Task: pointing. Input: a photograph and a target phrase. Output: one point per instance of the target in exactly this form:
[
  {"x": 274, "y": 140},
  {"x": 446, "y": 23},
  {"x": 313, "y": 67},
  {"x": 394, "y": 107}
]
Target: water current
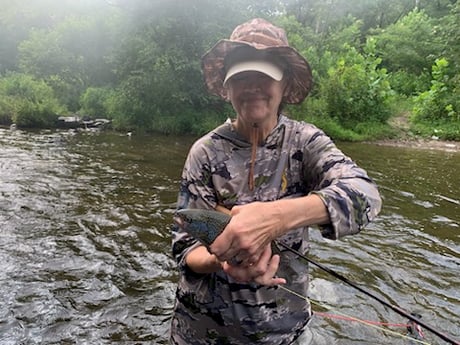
[{"x": 85, "y": 242}]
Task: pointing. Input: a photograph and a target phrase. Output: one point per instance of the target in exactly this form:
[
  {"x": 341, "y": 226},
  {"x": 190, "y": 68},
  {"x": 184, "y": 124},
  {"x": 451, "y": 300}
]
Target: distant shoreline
[
  {"x": 425, "y": 144},
  {"x": 419, "y": 143}
]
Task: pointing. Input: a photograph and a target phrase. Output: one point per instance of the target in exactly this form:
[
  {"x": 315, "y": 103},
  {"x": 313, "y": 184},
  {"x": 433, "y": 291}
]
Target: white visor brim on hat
[{"x": 262, "y": 66}]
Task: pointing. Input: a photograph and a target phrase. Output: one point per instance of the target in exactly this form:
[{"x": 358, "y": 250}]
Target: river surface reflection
[{"x": 85, "y": 242}]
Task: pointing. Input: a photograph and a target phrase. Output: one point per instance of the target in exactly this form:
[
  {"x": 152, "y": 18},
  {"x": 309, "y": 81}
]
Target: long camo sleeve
[{"x": 351, "y": 197}]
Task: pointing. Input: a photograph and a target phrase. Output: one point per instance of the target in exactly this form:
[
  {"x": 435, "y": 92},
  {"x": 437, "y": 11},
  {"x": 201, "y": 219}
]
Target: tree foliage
[
  {"x": 357, "y": 90},
  {"x": 71, "y": 56},
  {"x": 441, "y": 103},
  {"x": 411, "y": 44},
  {"x": 94, "y": 101},
  {"x": 28, "y": 102},
  {"x": 137, "y": 62}
]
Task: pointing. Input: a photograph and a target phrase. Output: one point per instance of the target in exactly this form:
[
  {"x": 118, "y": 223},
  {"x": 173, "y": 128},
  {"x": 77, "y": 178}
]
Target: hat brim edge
[{"x": 299, "y": 86}]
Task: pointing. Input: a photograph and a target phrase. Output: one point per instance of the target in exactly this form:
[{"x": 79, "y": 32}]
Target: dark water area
[{"x": 85, "y": 242}]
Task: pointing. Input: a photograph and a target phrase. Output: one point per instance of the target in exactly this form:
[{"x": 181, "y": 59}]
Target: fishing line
[
  {"x": 395, "y": 308},
  {"x": 348, "y": 317}
]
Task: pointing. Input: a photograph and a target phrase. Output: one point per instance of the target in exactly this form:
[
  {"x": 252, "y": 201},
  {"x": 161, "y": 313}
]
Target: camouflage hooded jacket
[{"x": 296, "y": 159}]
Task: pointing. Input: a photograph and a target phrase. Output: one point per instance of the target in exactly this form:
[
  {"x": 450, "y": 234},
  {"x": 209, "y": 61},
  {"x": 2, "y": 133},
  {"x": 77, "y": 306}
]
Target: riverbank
[
  {"x": 425, "y": 144},
  {"x": 405, "y": 138},
  {"x": 402, "y": 140}
]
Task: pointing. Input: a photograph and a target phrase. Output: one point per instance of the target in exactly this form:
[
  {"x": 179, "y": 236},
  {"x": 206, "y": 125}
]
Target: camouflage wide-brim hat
[{"x": 264, "y": 37}]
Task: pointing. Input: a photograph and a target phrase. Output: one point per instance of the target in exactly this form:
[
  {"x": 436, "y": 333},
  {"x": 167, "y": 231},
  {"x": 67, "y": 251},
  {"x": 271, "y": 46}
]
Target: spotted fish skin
[{"x": 204, "y": 225}]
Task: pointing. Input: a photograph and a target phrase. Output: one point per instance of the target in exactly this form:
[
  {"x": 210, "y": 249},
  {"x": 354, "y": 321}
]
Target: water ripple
[{"x": 85, "y": 242}]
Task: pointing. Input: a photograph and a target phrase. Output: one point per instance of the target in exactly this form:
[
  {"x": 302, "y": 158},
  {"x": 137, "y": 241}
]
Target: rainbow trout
[{"x": 204, "y": 225}]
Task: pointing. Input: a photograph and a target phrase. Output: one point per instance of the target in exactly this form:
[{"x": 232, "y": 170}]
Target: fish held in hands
[
  {"x": 204, "y": 225},
  {"x": 207, "y": 225}
]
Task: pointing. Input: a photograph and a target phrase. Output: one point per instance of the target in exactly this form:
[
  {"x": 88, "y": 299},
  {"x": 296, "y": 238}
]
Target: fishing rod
[
  {"x": 369, "y": 323},
  {"x": 395, "y": 308}
]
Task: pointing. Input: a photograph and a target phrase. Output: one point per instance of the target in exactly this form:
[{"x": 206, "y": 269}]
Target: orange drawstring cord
[{"x": 254, "y": 142}]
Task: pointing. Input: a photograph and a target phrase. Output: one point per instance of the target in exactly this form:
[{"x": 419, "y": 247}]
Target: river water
[{"x": 85, "y": 243}]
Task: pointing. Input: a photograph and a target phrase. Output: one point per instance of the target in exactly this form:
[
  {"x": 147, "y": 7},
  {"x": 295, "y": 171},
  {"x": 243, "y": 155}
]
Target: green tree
[
  {"x": 441, "y": 103},
  {"x": 158, "y": 64},
  {"x": 94, "y": 101},
  {"x": 408, "y": 48},
  {"x": 138, "y": 61},
  {"x": 411, "y": 44},
  {"x": 437, "y": 110},
  {"x": 357, "y": 89},
  {"x": 447, "y": 28},
  {"x": 70, "y": 57},
  {"x": 28, "y": 102},
  {"x": 18, "y": 18}
]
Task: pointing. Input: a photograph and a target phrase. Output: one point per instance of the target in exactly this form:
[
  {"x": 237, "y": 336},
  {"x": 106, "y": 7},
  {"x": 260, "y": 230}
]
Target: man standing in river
[{"x": 276, "y": 177}]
